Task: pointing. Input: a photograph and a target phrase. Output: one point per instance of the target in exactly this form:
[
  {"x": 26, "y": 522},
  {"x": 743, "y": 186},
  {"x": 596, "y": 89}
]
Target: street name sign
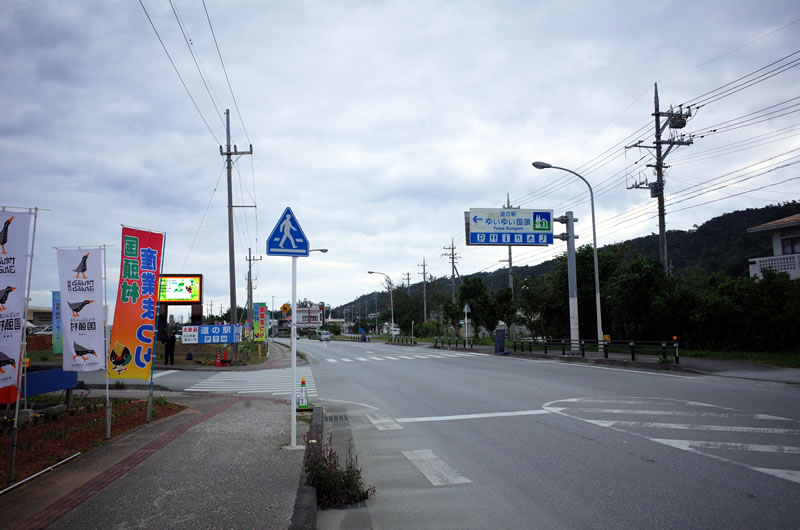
[
  {"x": 287, "y": 238},
  {"x": 509, "y": 226}
]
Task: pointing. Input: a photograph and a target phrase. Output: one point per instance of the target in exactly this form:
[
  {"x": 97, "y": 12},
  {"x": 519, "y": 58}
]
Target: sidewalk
[
  {"x": 220, "y": 463},
  {"x": 695, "y": 365}
]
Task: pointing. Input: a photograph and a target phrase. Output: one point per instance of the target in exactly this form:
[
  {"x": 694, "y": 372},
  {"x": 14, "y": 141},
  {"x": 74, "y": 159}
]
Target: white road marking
[
  {"x": 434, "y": 356},
  {"x": 637, "y": 412},
  {"x": 405, "y": 357},
  {"x": 436, "y": 470},
  {"x": 383, "y": 422},
  {"x": 377, "y": 358},
  {"x": 345, "y": 359},
  {"x": 595, "y": 367},
  {"x": 421, "y": 356},
  {"x": 786, "y": 474},
  {"x": 760, "y": 448},
  {"x": 361, "y": 359},
  {"x": 332, "y": 360},
  {"x": 474, "y": 416},
  {"x": 449, "y": 354},
  {"x": 692, "y": 427},
  {"x": 159, "y": 374},
  {"x": 391, "y": 358}
]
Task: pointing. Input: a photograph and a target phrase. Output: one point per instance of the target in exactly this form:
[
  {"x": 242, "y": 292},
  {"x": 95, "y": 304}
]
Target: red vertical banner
[{"x": 132, "y": 344}]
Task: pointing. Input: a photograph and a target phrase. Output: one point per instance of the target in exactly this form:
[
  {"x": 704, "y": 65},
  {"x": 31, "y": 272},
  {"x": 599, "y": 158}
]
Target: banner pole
[
  {"x": 155, "y": 331},
  {"x": 23, "y": 350},
  {"x": 105, "y": 336}
]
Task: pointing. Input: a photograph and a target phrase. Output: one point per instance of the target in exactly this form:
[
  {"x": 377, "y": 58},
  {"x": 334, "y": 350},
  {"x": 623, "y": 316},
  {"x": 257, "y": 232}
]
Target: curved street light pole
[
  {"x": 391, "y": 301},
  {"x": 545, "y": 165}
]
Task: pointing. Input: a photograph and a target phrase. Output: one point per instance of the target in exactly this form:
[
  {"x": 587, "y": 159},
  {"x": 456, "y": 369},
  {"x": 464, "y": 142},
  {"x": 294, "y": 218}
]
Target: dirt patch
[{"x": 53, "y": 438}]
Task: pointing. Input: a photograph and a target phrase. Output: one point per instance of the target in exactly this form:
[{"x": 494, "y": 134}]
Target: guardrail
[
  {"x": 405, "y": 339},
  {"x": 664, "y": 349},
  {"x": 439, "y": 342}
]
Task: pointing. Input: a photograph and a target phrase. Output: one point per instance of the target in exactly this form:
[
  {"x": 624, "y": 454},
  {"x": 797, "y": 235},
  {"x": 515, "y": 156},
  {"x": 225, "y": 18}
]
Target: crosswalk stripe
[
  {"x": 332, "y": 360},
  {"x": 347, "y": 360},
  {"x": 421, "y": 356},
  {"x": 406, "y": 357},
  {"x": 391, "y": 358},
  {"x": 377, "y": 358},
  {"x": 437, "y": 471},
  {"x": 361, "y": 359}
]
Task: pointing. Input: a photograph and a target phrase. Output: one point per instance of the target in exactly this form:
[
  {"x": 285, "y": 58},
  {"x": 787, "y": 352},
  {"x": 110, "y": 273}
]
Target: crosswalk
[
  {"x": 761, "y": 442},
  {"x": 275, "y": 382},
  {"x": 395, "y": 357}
]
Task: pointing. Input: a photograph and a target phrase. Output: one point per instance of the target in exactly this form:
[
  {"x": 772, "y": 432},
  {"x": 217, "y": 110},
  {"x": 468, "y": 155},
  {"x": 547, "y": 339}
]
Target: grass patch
[{"x": 783, "y": 360}]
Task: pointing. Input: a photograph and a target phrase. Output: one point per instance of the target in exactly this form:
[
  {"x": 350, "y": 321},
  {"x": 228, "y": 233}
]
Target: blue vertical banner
[{"x": 58, "y": 338}]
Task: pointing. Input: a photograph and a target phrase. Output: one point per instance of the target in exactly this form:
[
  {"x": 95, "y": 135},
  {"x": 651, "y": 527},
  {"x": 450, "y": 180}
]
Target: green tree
[{"x": 484, "y": 312}]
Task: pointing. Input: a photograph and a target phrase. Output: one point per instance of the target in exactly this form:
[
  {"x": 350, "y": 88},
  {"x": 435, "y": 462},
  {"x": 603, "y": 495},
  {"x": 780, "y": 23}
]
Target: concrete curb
[
  {"x": 305, "y": 506},
  {"x": 669, "y": 367}
]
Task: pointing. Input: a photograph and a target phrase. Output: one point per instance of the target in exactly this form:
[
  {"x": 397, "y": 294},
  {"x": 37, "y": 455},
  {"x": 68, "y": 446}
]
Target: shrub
[{"x": 336, "y": 486}]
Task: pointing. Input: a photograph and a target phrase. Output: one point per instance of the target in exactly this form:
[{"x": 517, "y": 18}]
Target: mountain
[{"x": 720, "y": 244}]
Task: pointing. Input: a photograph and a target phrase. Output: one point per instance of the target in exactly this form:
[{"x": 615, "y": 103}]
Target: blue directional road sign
[
  {"x": 287, "y": 238},
  {"x": 509, "y": 226}
]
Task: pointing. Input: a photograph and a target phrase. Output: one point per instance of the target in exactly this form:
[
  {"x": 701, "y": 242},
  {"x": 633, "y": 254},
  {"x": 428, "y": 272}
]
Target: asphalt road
[
  {"x": 452, "y": 440},
  {"x": 457, "y": 440}
]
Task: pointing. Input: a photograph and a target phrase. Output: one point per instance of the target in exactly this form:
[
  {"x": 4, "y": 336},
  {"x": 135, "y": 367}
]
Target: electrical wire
[
  {"x": 164, "y": 47},
  {"x": 191, "y": 52}
]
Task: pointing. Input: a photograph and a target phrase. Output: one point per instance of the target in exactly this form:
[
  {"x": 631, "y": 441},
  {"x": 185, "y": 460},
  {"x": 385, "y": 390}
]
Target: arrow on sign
[{"x": 476, "y": 219}]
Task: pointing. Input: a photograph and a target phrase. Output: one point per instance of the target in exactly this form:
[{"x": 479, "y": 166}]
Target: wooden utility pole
[
  {"x": 228, "y": 154},
  {"x": 424, "y": 291},
  {"x": 250, "y": 260},
  {"x": 453, "y": 257},
  {"x": 674, "y": 120}
]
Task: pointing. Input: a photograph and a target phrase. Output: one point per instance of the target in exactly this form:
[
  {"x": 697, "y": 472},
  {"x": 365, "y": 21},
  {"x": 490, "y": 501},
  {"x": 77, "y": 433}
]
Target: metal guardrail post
[
  {"x": 545, "y": 347},
  {"x": 605, "y": 349},
  {"x": 633, "y": 351},
  {"x": 677, "y": 357},
  {"x": 583, "y": 348},
  {"x": 563, "y": 348},
  {"x": 514, "y": 345},
  {"x": 664, "y": 351}
]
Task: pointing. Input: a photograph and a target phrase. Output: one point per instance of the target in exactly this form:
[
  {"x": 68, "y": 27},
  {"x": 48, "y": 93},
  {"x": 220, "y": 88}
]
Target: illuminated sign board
[{"x": 181, "y": 289}]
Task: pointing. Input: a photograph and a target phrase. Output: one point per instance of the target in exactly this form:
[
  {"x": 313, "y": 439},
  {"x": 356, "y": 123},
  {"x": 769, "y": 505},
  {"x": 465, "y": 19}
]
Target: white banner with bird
[
  {"x": 80, "y": 278},
  {"x": 13, "y": 281}
]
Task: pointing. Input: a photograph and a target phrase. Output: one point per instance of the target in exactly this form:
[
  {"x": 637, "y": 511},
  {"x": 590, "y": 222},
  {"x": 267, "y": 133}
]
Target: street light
[
  {"x": 323, "y": 250},
  {"x": 391, "y": 301},
  {"x": 545, "y": 165}
]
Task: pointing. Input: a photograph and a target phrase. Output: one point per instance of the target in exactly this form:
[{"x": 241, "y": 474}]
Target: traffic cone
[{"x": 302, "y": 403}]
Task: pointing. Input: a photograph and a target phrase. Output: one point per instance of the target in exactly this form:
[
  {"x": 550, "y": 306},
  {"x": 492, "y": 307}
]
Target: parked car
[
  {"x": 325, "y": 335},
  {"x": 47, "y": 330}
]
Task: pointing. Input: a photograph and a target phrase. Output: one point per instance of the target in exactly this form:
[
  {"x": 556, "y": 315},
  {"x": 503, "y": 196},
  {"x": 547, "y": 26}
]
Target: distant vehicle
[
  {"x": 395, "y": 331},
  {"x": 48, "y": 330},
  {"x": 324, "y": 335}
]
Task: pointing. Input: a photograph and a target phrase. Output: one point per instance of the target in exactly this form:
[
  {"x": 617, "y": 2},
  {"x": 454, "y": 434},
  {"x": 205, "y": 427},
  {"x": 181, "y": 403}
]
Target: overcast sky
[{"x": 380, "y": 123}]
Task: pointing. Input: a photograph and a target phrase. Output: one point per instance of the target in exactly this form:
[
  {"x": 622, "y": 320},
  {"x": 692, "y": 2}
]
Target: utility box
[{"x": 500, "y": 339}]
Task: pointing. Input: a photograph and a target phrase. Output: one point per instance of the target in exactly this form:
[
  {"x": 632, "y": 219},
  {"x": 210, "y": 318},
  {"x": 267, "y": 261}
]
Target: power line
[
  {"x": 163, "y": 46},
  {"x": 225, "y": 70},
  {"x": 191, "y": 52}
]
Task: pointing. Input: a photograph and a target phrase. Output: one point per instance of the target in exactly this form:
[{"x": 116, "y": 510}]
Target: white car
[{"x": 325, "y": 335}]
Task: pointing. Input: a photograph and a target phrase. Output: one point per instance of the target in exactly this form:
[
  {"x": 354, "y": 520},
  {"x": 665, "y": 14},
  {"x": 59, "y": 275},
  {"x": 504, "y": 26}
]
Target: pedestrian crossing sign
[{"x": 287, "y": 238}]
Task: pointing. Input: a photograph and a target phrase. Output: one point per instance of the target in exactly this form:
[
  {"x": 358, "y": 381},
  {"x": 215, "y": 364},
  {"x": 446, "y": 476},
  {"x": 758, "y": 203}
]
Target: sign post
[
  {"x": 466, "y": 323},
  {"x": 288, "y": 239}
]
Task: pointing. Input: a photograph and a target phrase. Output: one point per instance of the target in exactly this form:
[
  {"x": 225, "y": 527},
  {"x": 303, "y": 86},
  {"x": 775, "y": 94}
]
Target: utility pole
[
  {"x": 228, "y": 154},
  {"x": 407, "y": 278},
  {"x": 572, "y": 279},
  {"x": 453, "y": 258},
  {"x": 424, "y": 291},
  {"x": 674, "y": 120},
  {"x": 250, "y": 260}
]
